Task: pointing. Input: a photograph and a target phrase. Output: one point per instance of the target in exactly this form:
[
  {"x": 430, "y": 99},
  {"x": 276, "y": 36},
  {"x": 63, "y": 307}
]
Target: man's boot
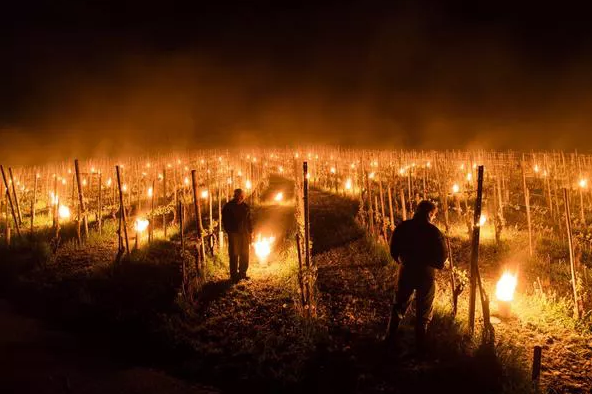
[
  {"x": 392, "y": 329},
  {"x": 420, "y": 338}
]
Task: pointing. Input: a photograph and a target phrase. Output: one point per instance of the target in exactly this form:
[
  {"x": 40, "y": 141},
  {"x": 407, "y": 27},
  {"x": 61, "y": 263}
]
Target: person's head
[
  {"x": 239, "y": 195},
  {"x": 426, "y": 210}
]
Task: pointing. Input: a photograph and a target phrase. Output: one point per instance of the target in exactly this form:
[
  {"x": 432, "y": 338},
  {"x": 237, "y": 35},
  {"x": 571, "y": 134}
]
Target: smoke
[{"x": 408, "y": 79}]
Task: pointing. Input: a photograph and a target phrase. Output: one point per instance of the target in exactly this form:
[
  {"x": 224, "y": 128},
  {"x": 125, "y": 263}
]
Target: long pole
[
  {"x": 122, "y": 211},
  {"x": 475, "y": 250},
  {"x": 16, "y": 199},
  {"x": 16, "y": 223},
  {"x": 81, "y": 199},
  {"x": 572, "y": 263}
]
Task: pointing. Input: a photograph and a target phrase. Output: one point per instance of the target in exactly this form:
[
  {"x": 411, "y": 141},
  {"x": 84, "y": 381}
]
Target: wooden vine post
[
  {"x": 16, "y": 199},
  {"x": 81, "y": 209},
  {"x": 33, "y": 203},
  {"x": 527, "y": 203},
  {"x": 403, "y": 205},
  {"x": 122, "y": 216},
  {"x": 164, "y": 196},
  {"x": 309, "y": 282},
  {"x": 391, "y": 213},
  {"x": 14, "y": 217},
  {"x": 200, "y": 244},
  {"x": 475, "y": 251},
  {"x": 100, "y": 204},
  {"x": 571, "y": 254}
]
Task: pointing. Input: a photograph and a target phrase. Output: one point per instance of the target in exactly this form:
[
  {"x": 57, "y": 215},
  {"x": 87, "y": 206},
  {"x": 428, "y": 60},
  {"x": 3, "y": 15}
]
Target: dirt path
[
  {"x": 39, "y": 360},
  {"x": 356, "y": 290}
]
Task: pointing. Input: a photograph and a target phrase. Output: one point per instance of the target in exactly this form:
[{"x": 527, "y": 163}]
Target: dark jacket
[
  {"x": 419, "y": 244},
  {"x": 236, "y": 218}
]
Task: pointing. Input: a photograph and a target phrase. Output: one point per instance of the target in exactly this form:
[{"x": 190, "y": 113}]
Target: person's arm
[
  {"x": 249, "y": 222},
  {"x": 440, "y": 249},
  {"x": 396, "y": 243},
  {"x": 225, "y": 217}
]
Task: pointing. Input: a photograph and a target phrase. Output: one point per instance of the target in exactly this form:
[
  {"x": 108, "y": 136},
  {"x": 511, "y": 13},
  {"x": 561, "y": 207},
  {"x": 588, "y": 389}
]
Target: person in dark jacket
[
  {"x": 236, "y": 221},
  {"x": 421, "y": 249}
]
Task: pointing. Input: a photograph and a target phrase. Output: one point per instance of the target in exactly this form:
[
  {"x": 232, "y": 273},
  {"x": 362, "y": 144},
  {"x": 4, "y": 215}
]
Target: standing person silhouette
[
  {"x": 236, "y": 221},
  {"x": 421, "y": 249}
]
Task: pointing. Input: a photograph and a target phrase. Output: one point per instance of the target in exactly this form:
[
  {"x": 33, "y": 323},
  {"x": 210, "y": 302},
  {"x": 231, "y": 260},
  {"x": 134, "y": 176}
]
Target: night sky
[{"x": 81, "y": 78}]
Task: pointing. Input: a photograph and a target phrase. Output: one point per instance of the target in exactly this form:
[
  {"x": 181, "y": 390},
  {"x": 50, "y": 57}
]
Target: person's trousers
[
  {"x": 422, "y": 282},
  {"x": 238, "y": 253}
]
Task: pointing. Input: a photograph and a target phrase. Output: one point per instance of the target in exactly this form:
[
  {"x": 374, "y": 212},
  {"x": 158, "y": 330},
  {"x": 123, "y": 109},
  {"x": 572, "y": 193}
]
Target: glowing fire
[
  {"x": 348, "y": 184},
  {"x": 141, "y": 225},
  {"x": 279, "y": 197},
  {"x": 53, "y": 198},
  {"x": 263, "y": 246},
  {"x": 583, "y": 183},
  {"x": 150, "y": 192},
  {"x": 482, "y": 219},
  {"x": 333, "y": 170},
  {"x": 63, "y": 212},
  {"x": 248, "y": 184},
  {"x": 204, "y": 194},
  {"x": 536, "y": 168},
  {"x": 504, "y": 290},
  {"x": 371, "y": 175},
  {"x": 455, "y": 188}
]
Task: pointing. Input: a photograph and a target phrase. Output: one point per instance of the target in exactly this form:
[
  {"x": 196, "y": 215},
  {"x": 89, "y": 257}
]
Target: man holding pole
[
  {"x": 421, "y": 249},
  {"x": 236, "y": 221}
]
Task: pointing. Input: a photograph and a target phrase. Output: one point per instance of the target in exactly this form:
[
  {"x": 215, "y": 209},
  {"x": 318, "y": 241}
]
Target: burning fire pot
[{"x": 504, "y": 293}]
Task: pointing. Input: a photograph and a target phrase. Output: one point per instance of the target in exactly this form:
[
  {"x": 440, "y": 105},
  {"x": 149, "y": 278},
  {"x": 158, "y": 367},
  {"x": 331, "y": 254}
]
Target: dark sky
[{"x": 94, "y": 77}]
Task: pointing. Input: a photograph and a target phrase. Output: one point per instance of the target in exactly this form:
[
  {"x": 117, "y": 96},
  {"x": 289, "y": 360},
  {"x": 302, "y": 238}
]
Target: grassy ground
[{"x": 249, "y": 337}]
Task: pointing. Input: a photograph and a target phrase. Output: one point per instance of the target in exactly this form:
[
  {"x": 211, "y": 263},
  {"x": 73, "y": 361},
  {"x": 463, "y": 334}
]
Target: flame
[
  {"x": 63, "y": 212},
  {"x": 455, "y": 188},
  {"x": 248, "y": 184},
  {"x": 536, "y": 168},
  {"x": 124, "y": 188},
  {"x": 583, "y": 183},
  {"x": 348, "y": 184},
  {"x": 371, "y": 175},
  {"x": 263, "y": 246},
  {"x": 186, "y": 181},
  {"x": 482, "y": 219},
  {"x": 53, "y": 198},
  {"x": 150, "y": 192},
  {"x": 141, "y": 225},
  {"x": 333, "y": 170},
  {"x": 469, "y": 176},
  {"x": 279, "y": 197},
  {"x": 281, "y": 169},
  {"x": 504, "y": 290},
  {"x": 109, "y": 181},
  {"x": 204, "y": 194}
]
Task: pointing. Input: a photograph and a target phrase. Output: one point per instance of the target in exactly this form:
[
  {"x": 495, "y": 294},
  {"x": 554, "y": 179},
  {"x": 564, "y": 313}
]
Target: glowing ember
[
  {"x": 281, "y": 169},
  {"x": 279, "y": 197},
  {"x": 53, "y": 198},
  {"x": 333, "y": 170},
  {"x": 348, "y": 184},
  {"x": 63, "y": 212},
  {"x": 536, "y": 168},
  {"x": 186, "y": 181},
  {"x": 583, "y": 183},
  {"x": 248, "y": 184},
  {"x": 109, "y": 181},
  {"x": 482, "y": 219},
  {"x": 263, "y": 246},
  {"x": 150, "y": 192},
  {"x": 371, "y": 175},
  {"x": 504, "y": 290},
  {"x": 124, "y": 188},
  {"x": 469, "y": 177},
  {"x": 204, "y": 194},
  {"x": 455, "y": 188},
  {"x": 141, "y": 225}
]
